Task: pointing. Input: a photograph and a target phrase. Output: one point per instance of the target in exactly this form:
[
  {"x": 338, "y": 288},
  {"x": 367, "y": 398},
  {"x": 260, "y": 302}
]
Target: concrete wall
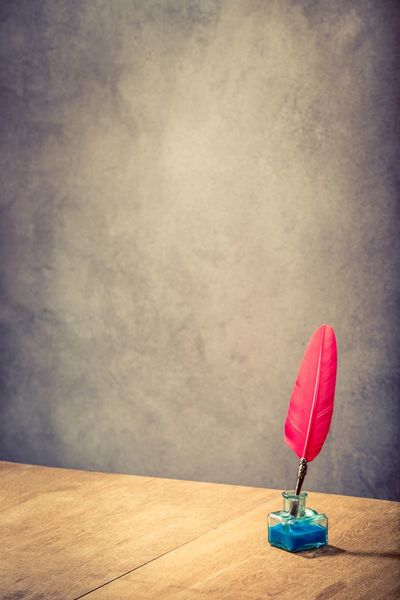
[{"x": 190, "y": 188}]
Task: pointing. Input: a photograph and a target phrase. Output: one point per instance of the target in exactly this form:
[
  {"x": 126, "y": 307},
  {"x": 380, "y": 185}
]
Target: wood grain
[{"x": 70, "y": 534}]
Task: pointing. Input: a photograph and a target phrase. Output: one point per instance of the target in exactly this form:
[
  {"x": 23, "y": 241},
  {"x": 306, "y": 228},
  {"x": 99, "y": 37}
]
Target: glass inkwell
[{"x": 296, "y": 527}]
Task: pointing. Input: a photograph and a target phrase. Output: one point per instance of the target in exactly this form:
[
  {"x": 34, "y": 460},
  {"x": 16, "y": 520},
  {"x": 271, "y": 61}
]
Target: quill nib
[{"x": 301, "y": 473}]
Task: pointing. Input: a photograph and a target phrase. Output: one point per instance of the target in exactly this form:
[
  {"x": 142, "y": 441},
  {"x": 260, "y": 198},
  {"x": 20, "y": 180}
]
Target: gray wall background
[{"x": 190, "y": 188}]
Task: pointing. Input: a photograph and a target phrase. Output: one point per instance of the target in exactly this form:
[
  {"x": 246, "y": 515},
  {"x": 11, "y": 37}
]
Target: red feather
[{"x": 311, "y": 403}]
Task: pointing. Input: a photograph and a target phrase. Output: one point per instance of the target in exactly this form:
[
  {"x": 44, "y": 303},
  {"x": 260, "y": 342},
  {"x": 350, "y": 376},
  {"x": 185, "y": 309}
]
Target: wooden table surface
[{"x": 68, "y": 534}]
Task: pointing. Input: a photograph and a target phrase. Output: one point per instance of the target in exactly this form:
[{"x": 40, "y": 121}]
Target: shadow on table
[{"x": 334, "y": 551}]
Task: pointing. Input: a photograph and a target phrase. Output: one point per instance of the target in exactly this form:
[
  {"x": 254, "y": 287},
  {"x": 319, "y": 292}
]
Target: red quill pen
[{"x": 311, "y": 403}]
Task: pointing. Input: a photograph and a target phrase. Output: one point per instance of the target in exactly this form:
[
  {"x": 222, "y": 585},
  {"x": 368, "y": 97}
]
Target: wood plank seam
[{"x": 167, "y": 552}]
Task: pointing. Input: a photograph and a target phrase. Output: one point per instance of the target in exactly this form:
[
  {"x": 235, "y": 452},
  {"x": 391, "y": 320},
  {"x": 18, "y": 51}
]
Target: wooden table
[{"x": 69, "y": 534}]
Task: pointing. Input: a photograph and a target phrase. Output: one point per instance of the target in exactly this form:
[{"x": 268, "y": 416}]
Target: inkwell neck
[{"x": 294, "y": 503}]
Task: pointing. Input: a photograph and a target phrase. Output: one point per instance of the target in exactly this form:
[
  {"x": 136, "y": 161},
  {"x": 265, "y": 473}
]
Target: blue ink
[{"x": 297, "y": 536}]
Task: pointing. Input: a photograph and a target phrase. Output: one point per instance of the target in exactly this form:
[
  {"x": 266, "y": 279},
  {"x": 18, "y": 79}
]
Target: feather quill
[{"x": 311, "y": 403}]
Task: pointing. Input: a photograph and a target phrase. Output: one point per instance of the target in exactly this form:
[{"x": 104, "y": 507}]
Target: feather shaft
[{"x": 315, "y": 395}]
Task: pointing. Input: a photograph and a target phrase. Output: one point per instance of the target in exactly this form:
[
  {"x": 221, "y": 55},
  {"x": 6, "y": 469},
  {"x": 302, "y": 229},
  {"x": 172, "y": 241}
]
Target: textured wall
[{"x": 190, "y": 189}]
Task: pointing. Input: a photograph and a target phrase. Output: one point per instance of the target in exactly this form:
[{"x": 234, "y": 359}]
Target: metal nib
[{"x": 301, "y": 473}]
